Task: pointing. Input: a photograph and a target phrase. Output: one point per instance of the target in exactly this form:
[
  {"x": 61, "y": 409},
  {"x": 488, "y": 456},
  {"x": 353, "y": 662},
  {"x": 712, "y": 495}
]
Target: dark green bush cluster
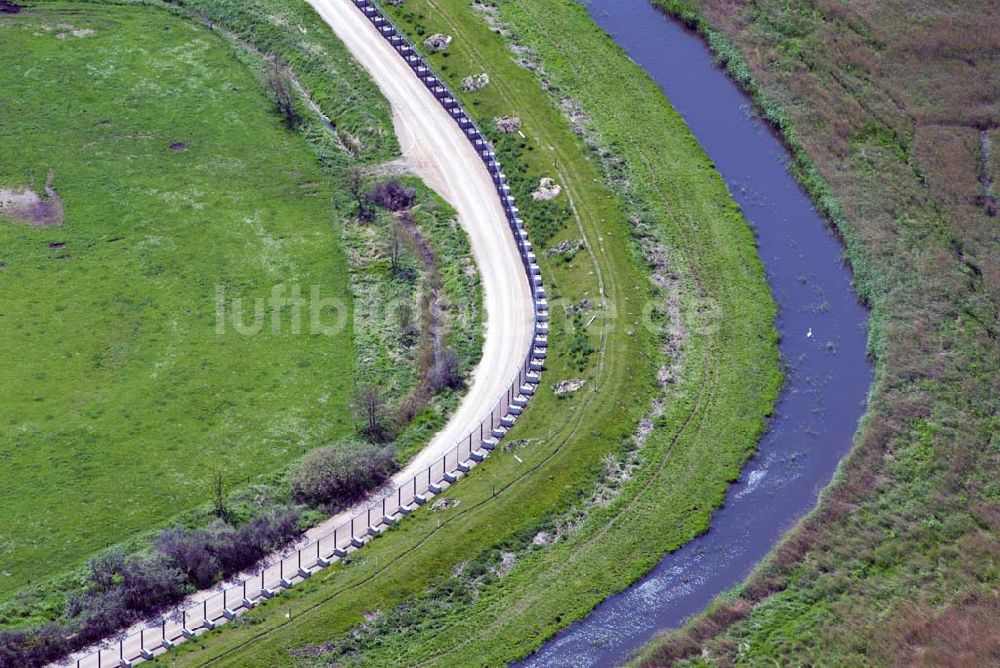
[
  {"x": 339, "y": 474},
  {"x": 124, "y": 590}
]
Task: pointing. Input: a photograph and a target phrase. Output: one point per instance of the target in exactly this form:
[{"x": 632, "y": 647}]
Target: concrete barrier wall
[{"x": 302, "y": 562}]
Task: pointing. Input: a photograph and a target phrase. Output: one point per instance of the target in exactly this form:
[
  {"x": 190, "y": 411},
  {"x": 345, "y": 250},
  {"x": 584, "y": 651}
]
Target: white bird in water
[{"x": 809, "y": 333}]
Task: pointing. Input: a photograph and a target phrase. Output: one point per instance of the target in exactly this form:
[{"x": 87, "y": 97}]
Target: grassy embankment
[
  {"x": 295, "y": 206},
  {"x": 668, "y": 214},
  {"x": 890, "y": 109},
  {"x": 401, "y": 305}
]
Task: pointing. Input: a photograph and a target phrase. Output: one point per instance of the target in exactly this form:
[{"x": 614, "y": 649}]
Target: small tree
[
  {"x": 279, "y": 82},
  {"x": 371, "y": 405},
  {"x": 219, "y": 495}
]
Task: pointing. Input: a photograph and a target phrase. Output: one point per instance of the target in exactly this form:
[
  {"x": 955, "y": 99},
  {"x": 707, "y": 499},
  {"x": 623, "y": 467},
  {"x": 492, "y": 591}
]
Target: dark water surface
[{"x": 823, "y": 335}]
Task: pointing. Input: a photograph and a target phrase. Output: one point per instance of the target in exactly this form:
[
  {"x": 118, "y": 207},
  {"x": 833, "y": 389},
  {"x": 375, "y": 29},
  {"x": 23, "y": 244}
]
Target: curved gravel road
[{"x": 438, "y": 152}]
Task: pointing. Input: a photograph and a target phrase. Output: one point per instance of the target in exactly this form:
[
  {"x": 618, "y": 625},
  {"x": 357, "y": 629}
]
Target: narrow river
[{"x": 823, "y": 337}]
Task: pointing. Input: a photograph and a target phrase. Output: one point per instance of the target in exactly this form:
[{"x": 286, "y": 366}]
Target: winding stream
[{"x": 823, "y": 339}]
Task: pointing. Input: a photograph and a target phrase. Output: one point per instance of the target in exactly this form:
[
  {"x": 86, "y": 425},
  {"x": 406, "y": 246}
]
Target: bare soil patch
[
  {"x": 568, "y": 386},
  {"x": 507, "y": 124},
  {"x": 475, "y": 82},
  {"x": 547, "y": 189},
  {"x": 24, "y": 205}
]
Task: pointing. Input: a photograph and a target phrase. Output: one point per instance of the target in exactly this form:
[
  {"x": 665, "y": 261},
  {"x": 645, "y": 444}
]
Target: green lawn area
[
  {"x": 118, "y": 398},
  {"x": 627, "y": 196}
]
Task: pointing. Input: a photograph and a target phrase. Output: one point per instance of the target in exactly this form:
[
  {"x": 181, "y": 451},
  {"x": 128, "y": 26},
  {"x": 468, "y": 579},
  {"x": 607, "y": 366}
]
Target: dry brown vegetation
[
  {"x": 966, "y": 633},
  {"x": 893, "y": 109}
]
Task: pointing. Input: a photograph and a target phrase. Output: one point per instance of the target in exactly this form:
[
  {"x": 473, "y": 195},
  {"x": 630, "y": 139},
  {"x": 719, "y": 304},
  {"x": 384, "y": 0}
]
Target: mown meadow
[{"x": 118, "y": 397}]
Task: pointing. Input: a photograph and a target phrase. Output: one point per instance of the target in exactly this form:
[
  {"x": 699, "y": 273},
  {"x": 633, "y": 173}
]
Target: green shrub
[{"x": 339, "y": 474}]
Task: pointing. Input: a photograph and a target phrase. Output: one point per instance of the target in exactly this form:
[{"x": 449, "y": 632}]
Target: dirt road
[{"x": 436, "y": 150}]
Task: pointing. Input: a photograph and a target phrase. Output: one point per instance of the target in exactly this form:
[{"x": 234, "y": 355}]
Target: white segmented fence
[{"x": 186, "y": 623}]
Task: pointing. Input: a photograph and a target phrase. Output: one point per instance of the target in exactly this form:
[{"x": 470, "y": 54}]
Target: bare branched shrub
[
  {"x": 370, "y": 404},
  {"x": 205, "y": 555},
  {"x": 219, "y": 496},
  {"x": 189, "y": 551},
  {"x": 410, "y": 407},
  {"x": 105, "y": 567},
  {"x": 138, "y": 587},
  {"x": 36, "y": 647},
  {"x": 282, "y": 89},
  {"x": 447, "y": 371},
  {"x": 392, "y": 195}
]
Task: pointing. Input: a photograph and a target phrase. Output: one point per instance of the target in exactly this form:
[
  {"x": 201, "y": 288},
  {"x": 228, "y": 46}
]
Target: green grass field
[
  {"x": 118, "y": 399},
  {"x": 359, "y": 140},
  {"x": 432, "y": 583},
  {"x": 389, "y": 359}
]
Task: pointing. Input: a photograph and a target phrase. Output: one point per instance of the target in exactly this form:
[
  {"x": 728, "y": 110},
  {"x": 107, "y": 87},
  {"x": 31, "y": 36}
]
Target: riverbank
[
  {"x": 904, "y": 178},
  {"x": 822, "y": 329}
]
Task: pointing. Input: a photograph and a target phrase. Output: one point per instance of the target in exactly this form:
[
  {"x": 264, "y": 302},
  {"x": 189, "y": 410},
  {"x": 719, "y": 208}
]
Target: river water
[{"x": 823, "y": 338}]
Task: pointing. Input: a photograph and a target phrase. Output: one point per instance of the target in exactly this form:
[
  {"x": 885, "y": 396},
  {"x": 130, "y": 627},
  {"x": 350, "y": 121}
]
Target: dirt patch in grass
[
  {"x": 438, "y": 42},
  {"x": 568, "y": 386},
  {"x": 507, "y": 124},
  {"x": 24, "y": 205}
]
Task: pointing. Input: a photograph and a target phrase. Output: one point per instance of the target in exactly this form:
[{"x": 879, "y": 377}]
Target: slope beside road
[{"x": 438, "y": 152}]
